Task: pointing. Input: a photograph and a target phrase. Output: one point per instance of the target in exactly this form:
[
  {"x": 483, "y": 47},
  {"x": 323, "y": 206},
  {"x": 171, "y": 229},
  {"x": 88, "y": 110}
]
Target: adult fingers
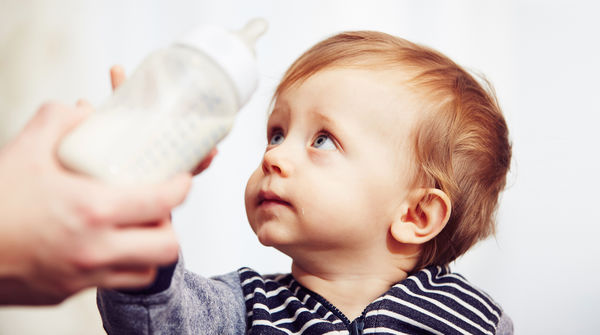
[
  {"x": 141, "y": 246},
  {"x": 84, "y": 106},
  {"x": 117, "y": 76},
  {"x": 102, "y": 203},
  {"x": 51, "y": 122}
]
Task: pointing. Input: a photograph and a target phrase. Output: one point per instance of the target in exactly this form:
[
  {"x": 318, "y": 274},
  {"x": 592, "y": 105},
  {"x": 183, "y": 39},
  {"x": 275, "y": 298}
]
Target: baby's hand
[{"x": 117, "y": 77}]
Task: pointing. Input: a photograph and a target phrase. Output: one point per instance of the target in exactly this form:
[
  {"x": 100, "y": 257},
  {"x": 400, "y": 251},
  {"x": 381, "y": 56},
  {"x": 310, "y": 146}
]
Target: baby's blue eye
[
  {"x": 276, "y": 138},
  {"x": 324, "y": 142}
]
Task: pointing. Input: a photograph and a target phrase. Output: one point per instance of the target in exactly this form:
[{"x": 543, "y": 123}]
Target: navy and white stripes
[{"x": 432, "y": 301}]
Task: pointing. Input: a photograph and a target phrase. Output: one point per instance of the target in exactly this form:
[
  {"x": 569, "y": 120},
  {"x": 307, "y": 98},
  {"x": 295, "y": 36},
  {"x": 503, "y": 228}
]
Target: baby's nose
[{"x": 276, "y": 160}]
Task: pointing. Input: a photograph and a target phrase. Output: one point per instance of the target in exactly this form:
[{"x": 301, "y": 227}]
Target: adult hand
[{"x": 61, "y": 232}]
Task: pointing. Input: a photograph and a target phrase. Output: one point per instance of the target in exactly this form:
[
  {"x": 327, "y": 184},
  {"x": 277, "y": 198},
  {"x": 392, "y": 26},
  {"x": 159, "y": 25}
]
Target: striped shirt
[{"x": 432, "y": 301}]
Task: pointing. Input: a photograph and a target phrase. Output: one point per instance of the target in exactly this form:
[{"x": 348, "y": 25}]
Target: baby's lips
[{"x": 271, "y": 197}]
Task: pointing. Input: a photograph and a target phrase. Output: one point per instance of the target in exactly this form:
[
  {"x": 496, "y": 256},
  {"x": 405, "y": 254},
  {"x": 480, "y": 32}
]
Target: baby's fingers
[
  {"x": 127, "y": 278},
  {"x": 117, "y": 76},
  {"x": 205, "y": 163}
]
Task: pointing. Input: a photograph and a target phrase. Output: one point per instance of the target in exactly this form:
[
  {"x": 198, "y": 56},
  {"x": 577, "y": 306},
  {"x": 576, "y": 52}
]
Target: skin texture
[
  {"x": 61, "y": 232},
  {"x": 333, "y": 190}
]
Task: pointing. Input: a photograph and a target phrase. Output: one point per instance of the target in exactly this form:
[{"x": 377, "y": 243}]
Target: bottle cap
[{"x": 232, "y": 51}]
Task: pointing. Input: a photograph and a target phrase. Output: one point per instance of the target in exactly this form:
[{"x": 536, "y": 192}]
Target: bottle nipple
[
  {"x": 252, "y": 31},
  {"x": 233, "y": 51}
]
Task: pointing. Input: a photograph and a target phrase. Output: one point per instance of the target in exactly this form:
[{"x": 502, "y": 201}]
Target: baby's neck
[{"x": 351, "y": 291}]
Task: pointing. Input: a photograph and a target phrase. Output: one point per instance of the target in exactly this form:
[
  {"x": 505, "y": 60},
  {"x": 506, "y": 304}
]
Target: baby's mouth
[{"x": 271, "y": 198}]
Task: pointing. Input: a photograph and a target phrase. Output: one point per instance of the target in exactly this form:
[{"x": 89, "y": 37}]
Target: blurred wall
[{"x": 541, "y": 57}]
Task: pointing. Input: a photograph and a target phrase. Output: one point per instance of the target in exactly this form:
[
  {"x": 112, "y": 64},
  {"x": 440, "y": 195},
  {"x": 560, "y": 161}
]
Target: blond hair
[{"x": 461, "y": 143}]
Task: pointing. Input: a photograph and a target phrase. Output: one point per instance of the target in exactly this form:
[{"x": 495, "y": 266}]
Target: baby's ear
[{"x": 423, "y": 217}]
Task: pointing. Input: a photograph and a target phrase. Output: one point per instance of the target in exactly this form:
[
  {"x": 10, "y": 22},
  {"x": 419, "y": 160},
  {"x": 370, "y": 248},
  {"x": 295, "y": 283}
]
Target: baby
[{"x": 384, "y": 164}]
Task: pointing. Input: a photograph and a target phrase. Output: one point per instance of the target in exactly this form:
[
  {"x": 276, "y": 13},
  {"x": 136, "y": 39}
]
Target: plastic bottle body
[{"x": 163, "y": 120}]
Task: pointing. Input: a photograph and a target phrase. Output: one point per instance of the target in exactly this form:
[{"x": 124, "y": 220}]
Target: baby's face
[{"x": 337, "y": 163}]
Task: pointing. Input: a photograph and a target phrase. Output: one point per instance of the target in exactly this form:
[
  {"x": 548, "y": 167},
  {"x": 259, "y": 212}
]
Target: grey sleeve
[
  {"x": 505, "y": 325},
  {"x": 190, "y": 305}
]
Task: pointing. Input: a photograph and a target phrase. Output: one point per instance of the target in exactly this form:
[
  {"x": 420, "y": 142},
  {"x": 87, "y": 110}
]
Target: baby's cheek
[
  {"x": 250, "y": 193},
  {"x": 323, "y": 203},
  {"x": 252, "y": 184},
  {"x": 322, "y": 158}
]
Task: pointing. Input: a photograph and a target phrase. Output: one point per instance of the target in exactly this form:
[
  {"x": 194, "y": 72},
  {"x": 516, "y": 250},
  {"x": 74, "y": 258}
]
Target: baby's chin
[
  {"x": 261, "y": 230},
  {"x": 270, "y": 234}
]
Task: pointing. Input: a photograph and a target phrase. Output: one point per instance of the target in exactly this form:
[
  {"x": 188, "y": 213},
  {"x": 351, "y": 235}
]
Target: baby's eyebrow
[
  {"x": 322, "y": 117},
  {"x": 281, "y": 107},
  {"x": 338, "y": 129},
  {"x": 278, "y": 112}
]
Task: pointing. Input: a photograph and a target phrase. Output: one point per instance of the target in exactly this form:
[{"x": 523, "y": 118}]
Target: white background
[{"x": 541, "y": 56}]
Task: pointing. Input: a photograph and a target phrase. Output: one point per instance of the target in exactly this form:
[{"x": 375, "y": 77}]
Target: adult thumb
[{"x": 53, "y": 120}]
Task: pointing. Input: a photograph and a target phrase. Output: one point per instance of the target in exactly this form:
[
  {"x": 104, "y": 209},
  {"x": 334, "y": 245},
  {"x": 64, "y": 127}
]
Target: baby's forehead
[{"x": 340, "y": 93}]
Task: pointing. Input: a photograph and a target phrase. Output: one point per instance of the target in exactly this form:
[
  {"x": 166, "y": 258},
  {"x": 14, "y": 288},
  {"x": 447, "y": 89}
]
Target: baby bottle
[{"x": 171, "y": 112}]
